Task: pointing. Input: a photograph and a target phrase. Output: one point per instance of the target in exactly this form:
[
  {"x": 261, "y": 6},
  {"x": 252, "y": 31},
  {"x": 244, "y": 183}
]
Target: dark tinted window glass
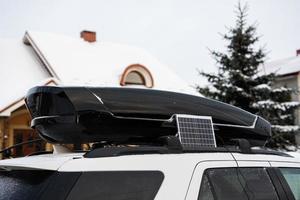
[
  {"x": 22, "y": 185},
  {"x": 292, "y": 177},
  {"x": 237, "y": 184},
  {"x": 60, "y": 186},
  {"x": 112, "y": 185},
  {"x": 205, "y": 191},
  {"x": 257, "y": 183},
  {"x": 225, "y": 184},
  {"x": 36, "y": 184}
]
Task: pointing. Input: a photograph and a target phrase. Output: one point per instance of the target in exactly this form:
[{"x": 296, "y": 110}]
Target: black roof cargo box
[{"x": 81, "y": 115}]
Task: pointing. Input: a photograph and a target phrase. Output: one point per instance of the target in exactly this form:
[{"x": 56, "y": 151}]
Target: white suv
[
  {"x": 192, "y": 176},
  {"x": 140, "y": 151}
]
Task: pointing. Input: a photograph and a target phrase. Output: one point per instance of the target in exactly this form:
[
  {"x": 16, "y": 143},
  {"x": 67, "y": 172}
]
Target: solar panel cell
[{"x": 195, "y": 131}]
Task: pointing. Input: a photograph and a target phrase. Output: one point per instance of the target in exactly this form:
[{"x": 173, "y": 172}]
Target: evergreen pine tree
[{"x": 240, "y": 82}]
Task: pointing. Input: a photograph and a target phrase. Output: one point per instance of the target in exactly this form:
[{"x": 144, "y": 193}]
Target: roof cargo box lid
[{"x": 80, "y": 115}]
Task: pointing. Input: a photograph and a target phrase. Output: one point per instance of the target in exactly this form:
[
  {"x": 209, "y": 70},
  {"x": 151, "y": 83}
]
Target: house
[
  {"x": 288, "y": 74},
  {"x": 52, "y": 59}
]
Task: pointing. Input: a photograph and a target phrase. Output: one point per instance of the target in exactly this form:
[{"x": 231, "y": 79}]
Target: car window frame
[
  {"x": 285, "y": 185},
  {"x": 280, "y": 193},
  {"x": 281, "y": 186},
  {"x": 196, "y": 179},
  {"x": 283, "y": 190},
  {"x": 284, "y": 164}
]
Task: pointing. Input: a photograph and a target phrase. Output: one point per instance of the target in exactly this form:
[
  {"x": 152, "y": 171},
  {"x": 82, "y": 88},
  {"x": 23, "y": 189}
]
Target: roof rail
[
  {"x": 172, "y": 145},
  {"x": 127, "y": 150}
]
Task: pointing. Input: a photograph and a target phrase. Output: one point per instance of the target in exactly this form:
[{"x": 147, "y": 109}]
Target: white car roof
[
  {"x": 76, "y": 161},
  {"x": 46, "y": 161},
  {"x": 178, "y": 169}
]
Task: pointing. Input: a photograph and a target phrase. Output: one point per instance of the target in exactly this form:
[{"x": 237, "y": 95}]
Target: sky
[{"x": 178, "y": 32}]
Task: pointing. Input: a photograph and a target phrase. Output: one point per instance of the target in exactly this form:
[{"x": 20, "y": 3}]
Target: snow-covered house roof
[
  {"x": 19, "y": 71},
  {"x": 47, "y": 58},
  {"x": 284, "y": 66}
]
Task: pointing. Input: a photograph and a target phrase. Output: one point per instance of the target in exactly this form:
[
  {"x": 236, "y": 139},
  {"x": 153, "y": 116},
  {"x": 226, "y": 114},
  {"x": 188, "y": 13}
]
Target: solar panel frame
[{"x": 195, "y": 131}]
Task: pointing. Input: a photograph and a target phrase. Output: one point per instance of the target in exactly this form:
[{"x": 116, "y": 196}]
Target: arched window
[
  {"x": 137, "y": 75},
  {"x": 135, "y": 78}
]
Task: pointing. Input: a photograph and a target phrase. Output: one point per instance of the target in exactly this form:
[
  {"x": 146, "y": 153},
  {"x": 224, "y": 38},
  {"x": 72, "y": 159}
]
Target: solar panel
[{"x": 195, "y": 131}]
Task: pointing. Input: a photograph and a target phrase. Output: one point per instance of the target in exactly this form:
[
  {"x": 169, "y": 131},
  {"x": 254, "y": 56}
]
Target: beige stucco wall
[{"x": 19, "y": 119}]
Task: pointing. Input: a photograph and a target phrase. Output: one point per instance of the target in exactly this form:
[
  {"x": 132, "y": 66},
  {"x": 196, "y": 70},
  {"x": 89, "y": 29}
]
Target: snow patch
[
  {"x": 263, "y": 86},
  {"x": 276, "y": 105},
  {"x": 286, "y": 128},
  {"x": 291, "y": 104},
  {"x": 281, "y": 89}
]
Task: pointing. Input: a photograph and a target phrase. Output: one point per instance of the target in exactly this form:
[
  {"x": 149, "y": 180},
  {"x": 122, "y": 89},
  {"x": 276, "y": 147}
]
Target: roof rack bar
[{"x": 138, "y": 150}]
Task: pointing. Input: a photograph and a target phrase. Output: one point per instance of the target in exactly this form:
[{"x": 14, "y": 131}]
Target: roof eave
[
  {"x": 6, "y": 111},
  {"x": 28, "y": 40}
]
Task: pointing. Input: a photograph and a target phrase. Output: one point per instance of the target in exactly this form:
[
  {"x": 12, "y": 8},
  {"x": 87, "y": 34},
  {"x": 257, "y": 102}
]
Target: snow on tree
[{"x": 240, "y": 82}]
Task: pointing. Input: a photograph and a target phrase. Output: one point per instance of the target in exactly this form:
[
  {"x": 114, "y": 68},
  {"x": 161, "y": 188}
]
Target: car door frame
[
  {"x": 281, "y": 193},
  {"x": 195, "y": 183},
  {"x": 280, "y": 164}
]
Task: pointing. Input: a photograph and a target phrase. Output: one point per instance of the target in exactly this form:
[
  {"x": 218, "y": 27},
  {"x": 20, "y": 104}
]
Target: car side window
[
  {"x": 292, "y": 177},
  {"x": 223, "y": 184},
  {"x": 205, "y": 190},
  {"x": 257, "y": 183},
  {"x": 117, "y": 185},
  {"x": 237, "y": 184}
]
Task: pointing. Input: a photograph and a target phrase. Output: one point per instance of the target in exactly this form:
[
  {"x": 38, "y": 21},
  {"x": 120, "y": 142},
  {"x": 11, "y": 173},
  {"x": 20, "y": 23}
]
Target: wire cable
[{"x": 20, "y": 144}]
